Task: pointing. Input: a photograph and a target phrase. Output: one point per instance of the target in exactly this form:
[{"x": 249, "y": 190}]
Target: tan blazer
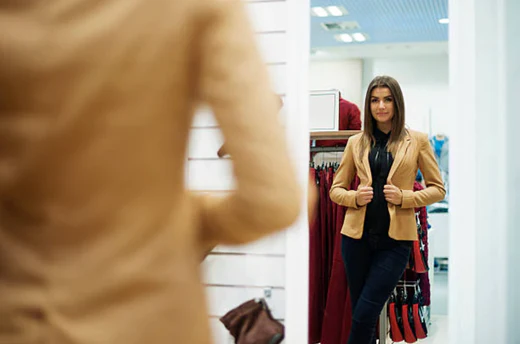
[
  {"x": 413, "y": 152},
  {"x": 99, "y": 240}
]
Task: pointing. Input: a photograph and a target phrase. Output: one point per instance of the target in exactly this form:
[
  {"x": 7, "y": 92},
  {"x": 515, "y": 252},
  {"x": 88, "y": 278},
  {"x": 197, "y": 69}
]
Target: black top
[{"x": 377, "y": 220}]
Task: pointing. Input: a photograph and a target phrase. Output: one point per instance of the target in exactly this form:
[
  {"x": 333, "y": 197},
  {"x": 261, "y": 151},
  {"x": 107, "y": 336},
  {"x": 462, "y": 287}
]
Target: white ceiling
[{"x": 383, "y": 21}]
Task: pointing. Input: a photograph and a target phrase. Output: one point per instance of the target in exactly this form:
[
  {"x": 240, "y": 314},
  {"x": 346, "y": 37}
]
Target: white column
[
  {"x": 511, "y": 48},
  {"x": 297, "y": 239},
  {"x": 481, "y": 47}
]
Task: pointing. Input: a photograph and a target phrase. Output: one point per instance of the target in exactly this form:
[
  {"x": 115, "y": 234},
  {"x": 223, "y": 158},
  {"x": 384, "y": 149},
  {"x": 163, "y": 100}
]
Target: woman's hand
[
  {"x": 393, "y": 194},
  {"x": 364, "y": 195}
]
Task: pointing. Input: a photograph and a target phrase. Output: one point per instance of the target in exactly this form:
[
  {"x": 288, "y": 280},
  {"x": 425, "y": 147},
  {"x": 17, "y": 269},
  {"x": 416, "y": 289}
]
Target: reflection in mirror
[{"x": 379, "y": 163}]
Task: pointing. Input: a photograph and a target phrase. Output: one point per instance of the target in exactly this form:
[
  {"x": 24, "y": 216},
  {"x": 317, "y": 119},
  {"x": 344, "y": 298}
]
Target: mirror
[{"x": 353, "y": 42}]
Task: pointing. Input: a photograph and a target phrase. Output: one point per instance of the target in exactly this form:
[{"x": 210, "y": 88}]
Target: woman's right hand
[{"x": 364, "y": 195}]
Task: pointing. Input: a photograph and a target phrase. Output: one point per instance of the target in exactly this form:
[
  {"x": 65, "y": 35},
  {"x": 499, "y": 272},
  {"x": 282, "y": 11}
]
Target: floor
[
  {"x": 439, "y": 297},
  {"x": 439, "y": 310},
  {"x": 438, "y": 332}
]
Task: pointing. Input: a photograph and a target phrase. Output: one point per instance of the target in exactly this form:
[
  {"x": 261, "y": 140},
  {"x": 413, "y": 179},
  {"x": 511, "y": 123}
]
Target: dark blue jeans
[{"x": 373, "y": 268}]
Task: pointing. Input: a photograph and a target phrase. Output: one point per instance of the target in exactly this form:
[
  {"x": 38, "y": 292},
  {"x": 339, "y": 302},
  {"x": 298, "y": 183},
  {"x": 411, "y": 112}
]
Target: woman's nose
[{"x": 381, "y": 104}]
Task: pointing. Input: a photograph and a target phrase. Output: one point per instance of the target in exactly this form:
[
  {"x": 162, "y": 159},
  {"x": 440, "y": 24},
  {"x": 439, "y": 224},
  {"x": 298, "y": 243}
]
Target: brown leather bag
[{"x": 252, "y": 323}]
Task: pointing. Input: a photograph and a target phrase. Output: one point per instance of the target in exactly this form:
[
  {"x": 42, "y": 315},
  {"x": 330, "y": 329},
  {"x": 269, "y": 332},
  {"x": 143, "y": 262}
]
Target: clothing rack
[
  {"x": 327, "y": 149},
  {"x": 407, "y": 284},
  {"x": 331, "y": 135}
]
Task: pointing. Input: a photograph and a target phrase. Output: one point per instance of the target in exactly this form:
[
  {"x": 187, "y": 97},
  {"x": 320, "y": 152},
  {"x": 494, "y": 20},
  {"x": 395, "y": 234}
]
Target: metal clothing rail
[
  {"x": 327, "y": 149},
  {"x": 383, "y": 325},
  {"x": 333, "y": 135},
  {"x": 407, "y": 284}
]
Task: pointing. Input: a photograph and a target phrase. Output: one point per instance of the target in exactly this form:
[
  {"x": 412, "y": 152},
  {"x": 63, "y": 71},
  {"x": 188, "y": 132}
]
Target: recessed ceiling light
[
  {"x": 344, "y": 37},
  {"x": 335, "y": 11},
  {"x": 341, "y": 26},
  {"x": 444, "y": 21},
  {"x": 320, "y": 12},
  {"x": 359, "y": 37}
]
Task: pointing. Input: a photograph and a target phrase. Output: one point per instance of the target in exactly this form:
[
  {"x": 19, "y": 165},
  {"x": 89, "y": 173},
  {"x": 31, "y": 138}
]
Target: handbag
[{"x": 253, "y": 323}]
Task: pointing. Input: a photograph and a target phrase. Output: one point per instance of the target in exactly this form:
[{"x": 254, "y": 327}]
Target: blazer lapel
[
  {"x": 401, "y": 152},
  {"x": 362, "y": 162}
]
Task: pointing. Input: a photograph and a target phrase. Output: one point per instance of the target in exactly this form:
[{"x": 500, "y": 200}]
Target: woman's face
[{"x": 382, "y": 105}]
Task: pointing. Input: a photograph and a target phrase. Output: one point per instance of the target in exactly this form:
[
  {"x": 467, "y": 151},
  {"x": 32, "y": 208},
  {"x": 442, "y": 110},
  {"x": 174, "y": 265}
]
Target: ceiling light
[
  {"x": 341, "y": 26},
  {"x": 344, "y": 37},
  {"x": 335, "y": 11},
  {"x": 359, "y": 37},
  {"x": 320, "y": 12},
  {"x": 444, "y": 21}
]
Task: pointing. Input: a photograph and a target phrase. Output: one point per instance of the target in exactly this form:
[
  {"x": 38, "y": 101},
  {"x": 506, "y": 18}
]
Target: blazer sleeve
[
  {"x": 339, "y": 192},
  {"x": 234, "y": 81},
  {"x": 434, "y": 190}
]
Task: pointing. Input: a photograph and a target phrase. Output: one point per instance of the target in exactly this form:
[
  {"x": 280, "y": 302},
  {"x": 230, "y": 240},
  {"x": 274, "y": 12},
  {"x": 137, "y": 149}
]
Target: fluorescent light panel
[
  {"x": 335, "y": 11},
  {"x": 344, "y": 37},
  {"x": 320, "y": 12},
  {"x": 444, "y": 21},
  {"x": 359, "y": 37}
]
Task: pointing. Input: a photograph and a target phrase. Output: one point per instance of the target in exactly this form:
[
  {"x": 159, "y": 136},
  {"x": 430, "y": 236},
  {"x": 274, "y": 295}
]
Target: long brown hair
[{"x": 398, "y": 121}]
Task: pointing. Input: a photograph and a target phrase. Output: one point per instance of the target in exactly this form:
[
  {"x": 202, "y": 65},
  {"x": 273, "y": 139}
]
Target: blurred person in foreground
[{"x": 99, "y": 240}]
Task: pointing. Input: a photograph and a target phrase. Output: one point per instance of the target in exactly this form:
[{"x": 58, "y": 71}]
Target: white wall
[
  {"x": 233, "y": 275},
  {"x": 345, "y": 76},
  {"x": 512, "y": 85},
  {"x": 425, "y": 84}
]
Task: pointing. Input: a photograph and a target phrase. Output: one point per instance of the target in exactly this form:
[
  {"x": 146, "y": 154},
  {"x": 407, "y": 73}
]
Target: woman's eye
[{"x": 388, "y": 100}]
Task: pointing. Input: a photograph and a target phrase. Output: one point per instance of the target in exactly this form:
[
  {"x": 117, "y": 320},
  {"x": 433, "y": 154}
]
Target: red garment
[
  {"x": 330, "y": 232},
  {"x": 337, "y": 319},
  {"x": 410, "y": 275},
  {"x": 349, "y": 119},
  {"x": 315, "y": 267},
  {"x": 326, "y": 213},
  {"x": 424, "y": 279},
  {"x": 319, "y": 256}
]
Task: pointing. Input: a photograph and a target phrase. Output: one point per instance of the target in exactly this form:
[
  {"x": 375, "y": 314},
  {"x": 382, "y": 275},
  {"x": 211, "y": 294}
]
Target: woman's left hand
[{"x": 393, "y": 194}]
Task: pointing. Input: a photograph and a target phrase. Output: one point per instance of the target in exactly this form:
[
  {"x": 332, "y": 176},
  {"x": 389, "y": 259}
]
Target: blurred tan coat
[{"x": 99, "y": 241}]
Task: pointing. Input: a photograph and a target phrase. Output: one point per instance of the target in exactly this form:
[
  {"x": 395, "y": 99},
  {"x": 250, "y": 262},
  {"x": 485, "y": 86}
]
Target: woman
[
  {"x": 99, "y": 240},
  {"x": 379, "y": 226}
]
